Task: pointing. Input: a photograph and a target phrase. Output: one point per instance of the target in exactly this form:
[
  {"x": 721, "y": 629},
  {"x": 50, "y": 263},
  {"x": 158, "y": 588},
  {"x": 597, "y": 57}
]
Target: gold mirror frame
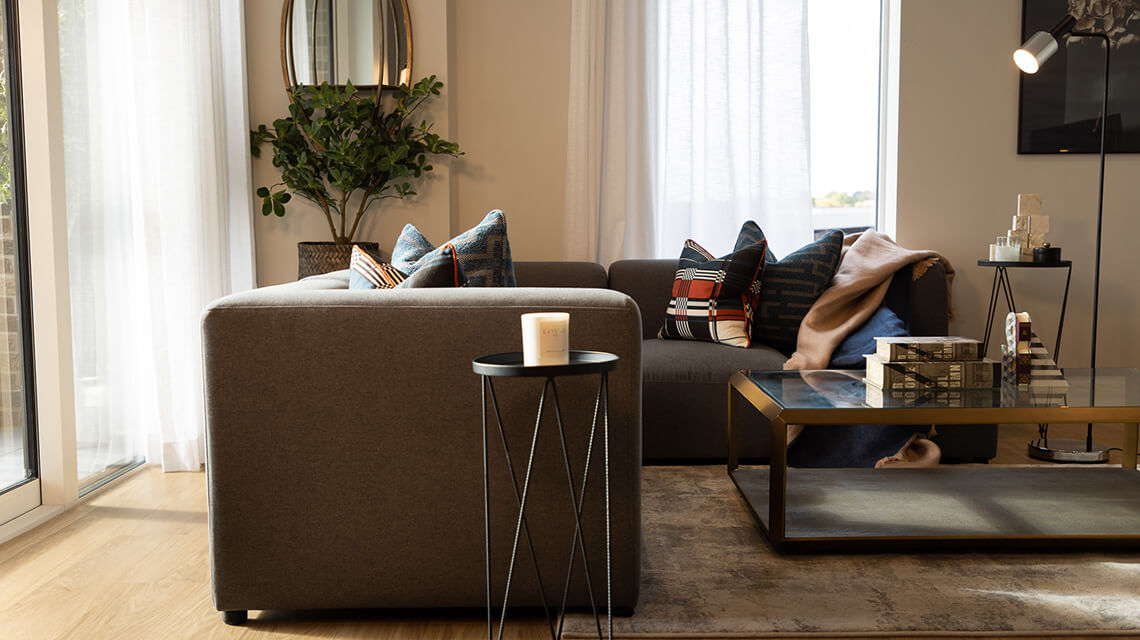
[{"x": 289, "y": 72}]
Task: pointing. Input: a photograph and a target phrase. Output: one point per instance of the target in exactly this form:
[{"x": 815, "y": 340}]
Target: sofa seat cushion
[{"x": 689, "y": 361}]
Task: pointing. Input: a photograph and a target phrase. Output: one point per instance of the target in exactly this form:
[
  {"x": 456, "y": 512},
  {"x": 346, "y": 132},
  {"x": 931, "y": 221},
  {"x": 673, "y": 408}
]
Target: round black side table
[{"x": 511, "y": 365}]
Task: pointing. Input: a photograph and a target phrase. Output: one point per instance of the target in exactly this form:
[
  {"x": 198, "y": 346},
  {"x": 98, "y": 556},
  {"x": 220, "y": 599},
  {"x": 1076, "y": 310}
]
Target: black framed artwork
[{"x": 1060, "y": 105}]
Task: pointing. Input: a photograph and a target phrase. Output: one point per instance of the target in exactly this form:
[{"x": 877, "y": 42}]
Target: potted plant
[{"x": 344, "y": 150}]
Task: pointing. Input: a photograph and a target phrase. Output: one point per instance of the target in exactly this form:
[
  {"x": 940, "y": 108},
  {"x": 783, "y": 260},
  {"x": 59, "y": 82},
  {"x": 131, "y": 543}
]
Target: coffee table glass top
[{"x": 835, "y": 389}]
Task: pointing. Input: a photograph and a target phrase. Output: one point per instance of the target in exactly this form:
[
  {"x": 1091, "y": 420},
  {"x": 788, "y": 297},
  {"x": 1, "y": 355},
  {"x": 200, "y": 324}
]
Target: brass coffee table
[{"x": 961, "y": 507}]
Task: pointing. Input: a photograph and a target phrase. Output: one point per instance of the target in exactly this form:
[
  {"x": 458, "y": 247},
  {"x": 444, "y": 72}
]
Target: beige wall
[
  {"x": 511, "y": 82},
  {"x": 505, "y": 67},
  {"x": 959, "y": 177}
]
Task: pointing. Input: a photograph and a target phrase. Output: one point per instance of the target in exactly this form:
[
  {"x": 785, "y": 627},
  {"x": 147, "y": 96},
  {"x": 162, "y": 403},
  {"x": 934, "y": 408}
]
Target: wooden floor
[{"x": 132, "y": 563}]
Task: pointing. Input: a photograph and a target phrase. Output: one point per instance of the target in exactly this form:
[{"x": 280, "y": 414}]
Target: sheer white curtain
[
  {"x": 608, "y": 213},
  {"x": 723, "y": 88},
  {"x": 158, "y": 204}
]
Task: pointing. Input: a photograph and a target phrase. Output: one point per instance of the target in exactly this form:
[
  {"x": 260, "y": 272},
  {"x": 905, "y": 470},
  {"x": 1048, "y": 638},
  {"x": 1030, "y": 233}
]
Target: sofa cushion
[
  {"x": 790, "y": 287},
  {"x": 440, "y": 268},
  {"x": 713, "y": 298},
  {"x": 689, "y": 361},
  {"x": 484, "y": 251},
  {"x": 366, "y": 272}
]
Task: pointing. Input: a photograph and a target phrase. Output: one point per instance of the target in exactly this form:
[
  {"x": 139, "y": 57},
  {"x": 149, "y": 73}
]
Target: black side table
[
  {"x": 511, "y": 365},
  {"x": 1001, "y": 280}
]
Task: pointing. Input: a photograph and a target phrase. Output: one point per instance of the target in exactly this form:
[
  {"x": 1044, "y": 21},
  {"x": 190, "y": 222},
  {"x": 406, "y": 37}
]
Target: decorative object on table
[
  {"x": 578, "y": 363},
  {"x": 1046, "y": 254},
  {"x": 1029, "y": 226},
  {"x": 1061, "y": 105},
  {"x": 344, "y": 150},
  {"x": 1016, "y": 359},
  {"x": 546, "y": 338},
  {"x": 1005, "y": 249},
  {"x": 714, "y": 299},
  {"x": 1029, "y": 58},
  {"x": 484, "y": 251}
]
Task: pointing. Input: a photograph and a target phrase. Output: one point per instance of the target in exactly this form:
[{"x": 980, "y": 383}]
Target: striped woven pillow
[
  {"x": 366, "y": 272},
  {"x": 714, "y": 298}
]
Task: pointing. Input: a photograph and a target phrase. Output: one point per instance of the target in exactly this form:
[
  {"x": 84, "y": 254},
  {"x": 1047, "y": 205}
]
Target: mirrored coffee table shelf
[{"x": 952, "y": 507}]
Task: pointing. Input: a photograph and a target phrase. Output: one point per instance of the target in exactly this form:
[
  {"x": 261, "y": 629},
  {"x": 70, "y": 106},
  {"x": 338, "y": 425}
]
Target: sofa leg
[{"x": 237, "y": 617}]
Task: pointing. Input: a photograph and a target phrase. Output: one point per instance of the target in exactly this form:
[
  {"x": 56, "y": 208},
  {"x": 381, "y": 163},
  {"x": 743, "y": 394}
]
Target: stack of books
[{"x": 938, "y": 365}]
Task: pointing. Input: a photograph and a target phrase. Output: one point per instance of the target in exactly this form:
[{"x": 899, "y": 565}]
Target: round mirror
[{"x": 338, "y": 41}]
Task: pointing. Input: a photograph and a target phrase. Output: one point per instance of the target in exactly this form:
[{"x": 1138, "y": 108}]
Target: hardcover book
[
  {"x": 934, "y": 374},
  {"x": 908, "y": 348}
]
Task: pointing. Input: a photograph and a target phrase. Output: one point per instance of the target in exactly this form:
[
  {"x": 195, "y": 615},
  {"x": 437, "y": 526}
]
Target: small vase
[{"x": 314, "y": 258}]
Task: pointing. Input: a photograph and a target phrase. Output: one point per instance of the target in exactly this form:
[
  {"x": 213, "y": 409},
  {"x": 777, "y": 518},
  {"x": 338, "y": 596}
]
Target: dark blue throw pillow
[{"x": 884, "y": 323}]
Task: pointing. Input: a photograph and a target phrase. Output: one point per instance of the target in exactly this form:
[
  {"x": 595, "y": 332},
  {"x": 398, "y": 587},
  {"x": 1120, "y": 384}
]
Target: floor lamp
[{"x": 1029, "y": 58}]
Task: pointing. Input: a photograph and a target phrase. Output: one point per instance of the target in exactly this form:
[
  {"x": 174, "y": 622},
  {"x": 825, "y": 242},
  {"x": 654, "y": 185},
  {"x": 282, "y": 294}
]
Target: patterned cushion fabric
[
  {"x": 790, "y": 287},
  {"x": 714, "y": 298},
  {"x": 440, "y": 268},
  {"x": 366, "y": 272},
  {"x": 484, "y": 252},
  {"x": 750, "y": 234}
]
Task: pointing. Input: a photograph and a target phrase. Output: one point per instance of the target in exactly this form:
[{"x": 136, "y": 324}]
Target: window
[{"x": 845, "y": 42}]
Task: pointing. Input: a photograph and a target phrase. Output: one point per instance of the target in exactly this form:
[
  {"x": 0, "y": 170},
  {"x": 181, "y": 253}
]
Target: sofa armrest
[{"x": 344, "y": 448}]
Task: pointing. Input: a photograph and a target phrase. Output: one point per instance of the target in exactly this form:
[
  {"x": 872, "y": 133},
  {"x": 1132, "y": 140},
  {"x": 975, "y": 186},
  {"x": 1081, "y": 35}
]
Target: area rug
[{"x": 709, "y": 573}]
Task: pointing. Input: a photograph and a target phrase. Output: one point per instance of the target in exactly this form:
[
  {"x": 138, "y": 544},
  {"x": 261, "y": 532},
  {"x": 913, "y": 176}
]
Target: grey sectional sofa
[{"x": 344, "y": 443}]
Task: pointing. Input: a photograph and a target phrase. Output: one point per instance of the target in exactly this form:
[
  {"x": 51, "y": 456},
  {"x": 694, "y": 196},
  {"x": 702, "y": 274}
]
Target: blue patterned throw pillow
[
  {"x": 366, "y": 272},
  {"x": 790, "y": 287},
  {"x": 750, "y": 234},
  {"x": 714, "y": 298},
  {"x": 484, "y": 252}
]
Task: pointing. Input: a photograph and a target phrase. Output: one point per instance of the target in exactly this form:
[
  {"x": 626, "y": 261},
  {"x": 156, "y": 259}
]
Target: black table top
[
  {"x": 510, "y": 364},
  {"x": 1025, "y": 263}
]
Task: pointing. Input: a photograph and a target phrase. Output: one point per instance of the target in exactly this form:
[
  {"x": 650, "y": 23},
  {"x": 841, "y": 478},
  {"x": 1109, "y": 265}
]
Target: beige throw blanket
[{"x": 866, "y": 265}]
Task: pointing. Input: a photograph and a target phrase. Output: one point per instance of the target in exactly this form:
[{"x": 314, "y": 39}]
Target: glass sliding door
[{"x": 19, "y": 486}]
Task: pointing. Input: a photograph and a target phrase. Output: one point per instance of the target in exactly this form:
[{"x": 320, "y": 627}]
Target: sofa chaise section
[{"x": 345, "y": 449}]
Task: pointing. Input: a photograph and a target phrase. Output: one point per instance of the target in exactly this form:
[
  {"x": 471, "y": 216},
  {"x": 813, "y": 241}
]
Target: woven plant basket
[{"x": 322, "y": 257}]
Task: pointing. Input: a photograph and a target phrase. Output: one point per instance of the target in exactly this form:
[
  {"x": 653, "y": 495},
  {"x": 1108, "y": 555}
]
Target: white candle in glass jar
[{"x": 546, "y": 338}]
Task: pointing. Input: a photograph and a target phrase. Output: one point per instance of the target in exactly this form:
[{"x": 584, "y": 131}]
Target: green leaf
[
  {"x": 262, "y": 192},
  {"x": 266, "y": 207},
  {"x": 279, "y": 209}
]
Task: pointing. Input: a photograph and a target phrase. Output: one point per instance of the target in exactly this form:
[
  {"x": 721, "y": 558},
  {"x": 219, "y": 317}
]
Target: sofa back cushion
[
  {"x": 561, "y": 274},
  {"x": 650, "y": 284}
]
